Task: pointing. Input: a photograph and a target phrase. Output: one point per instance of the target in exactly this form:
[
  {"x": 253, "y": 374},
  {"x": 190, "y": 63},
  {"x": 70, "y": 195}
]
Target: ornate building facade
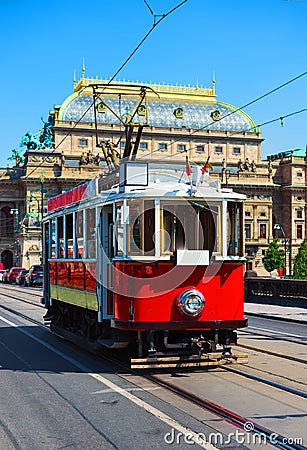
[{"x": 176, "y": 121}]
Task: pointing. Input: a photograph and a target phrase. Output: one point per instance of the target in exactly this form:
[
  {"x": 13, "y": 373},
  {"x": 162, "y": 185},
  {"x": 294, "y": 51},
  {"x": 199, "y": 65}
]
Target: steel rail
[
  {"x": 234, "y": 418},
  {"x": 237, "y": 420},
  {"x": 281, "y": 386},
  {"x": 20, "y": 299},
  {"x": 271, "y": 353}
]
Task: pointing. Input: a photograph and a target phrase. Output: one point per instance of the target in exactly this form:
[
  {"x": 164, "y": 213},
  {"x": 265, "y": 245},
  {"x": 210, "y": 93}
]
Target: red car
[{"x": 12, "y": 274}]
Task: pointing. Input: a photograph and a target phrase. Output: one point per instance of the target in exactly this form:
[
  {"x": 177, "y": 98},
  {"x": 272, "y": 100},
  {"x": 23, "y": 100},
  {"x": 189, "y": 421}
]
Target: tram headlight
[{"x": 191, "y": 303}]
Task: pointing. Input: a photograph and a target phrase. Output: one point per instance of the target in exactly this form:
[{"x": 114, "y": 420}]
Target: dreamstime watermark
[{"x": 248, "y": 436}]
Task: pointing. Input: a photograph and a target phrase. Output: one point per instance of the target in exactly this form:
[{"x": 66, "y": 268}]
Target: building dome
[{"x": 199, "y": 109}]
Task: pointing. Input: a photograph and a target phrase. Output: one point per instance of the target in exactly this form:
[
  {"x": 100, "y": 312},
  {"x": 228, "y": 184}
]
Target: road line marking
[
  {"x": 195, "y": 437},
  {"x": 284, "y": 333}
]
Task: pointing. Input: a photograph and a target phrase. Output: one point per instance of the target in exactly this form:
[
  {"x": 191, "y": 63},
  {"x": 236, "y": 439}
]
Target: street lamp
[
  {"x": 15, "y": 212},
  {"x": 38, "y": 205},
  {"x": 277, "y": 226},
  {"x": 42, "y": 181}
]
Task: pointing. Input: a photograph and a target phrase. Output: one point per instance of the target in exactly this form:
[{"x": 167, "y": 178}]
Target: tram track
[
  {"x": 235, "y": 419},
  {"x": 284, "y": 336},
  {"x": 22, "y": 299},
  {"x": 232, "y": 417},
  {"x": 271, "y": 353}
]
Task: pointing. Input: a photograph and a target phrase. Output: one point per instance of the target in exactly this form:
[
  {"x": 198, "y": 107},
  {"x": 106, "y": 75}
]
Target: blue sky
[{"x": 252, "y": 47}]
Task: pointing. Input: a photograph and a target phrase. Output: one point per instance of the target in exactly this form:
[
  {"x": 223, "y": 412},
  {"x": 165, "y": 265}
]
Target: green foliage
[
  {"x": 274, "y": 257},
  {"x": 300, "y": 262}
]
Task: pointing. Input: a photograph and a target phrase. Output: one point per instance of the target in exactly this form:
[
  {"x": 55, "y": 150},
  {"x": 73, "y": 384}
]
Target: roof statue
[
  {"x": 42, "y": 139},
  {"x": 30, "y": 141},
  {"x": 46, "y": 137},
  {"x": 18, "y": 157}
]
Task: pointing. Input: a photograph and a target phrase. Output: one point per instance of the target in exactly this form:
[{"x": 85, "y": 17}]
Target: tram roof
[{"x": 170, "y": 182}]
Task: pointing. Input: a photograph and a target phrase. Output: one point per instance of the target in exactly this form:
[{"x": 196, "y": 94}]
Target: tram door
[{"x": 104, "y": 264}]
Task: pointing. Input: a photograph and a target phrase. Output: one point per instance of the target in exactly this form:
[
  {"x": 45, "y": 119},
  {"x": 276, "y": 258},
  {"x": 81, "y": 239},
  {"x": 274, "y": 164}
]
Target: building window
[
  {"x": 218, "y": 150},
  {"x": 248, "y": 231},
  {"x": 143, "y": 145},
  {"x": 247, "y": 214},
  {"x": 236, "y": 150},
  {"x": 299, "y": 231},
  {"x": 83, "y": 142},
  {"x": 262, "y": 214},
  {"x": 299, "y": 214},
  {"x": 181, "y": 148},
  {"x": 262, "y": 230},
  {"x": 122, "y": 144},
  {"x": 299, "y": 174},
  {"x": 200, "y": 148},
  {"x": 162, "y": 146}
]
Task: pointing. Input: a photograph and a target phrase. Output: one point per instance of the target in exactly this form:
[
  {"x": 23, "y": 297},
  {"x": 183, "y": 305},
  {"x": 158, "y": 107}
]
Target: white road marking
[
  {"x": 195, "y": 437},
  {"x": 277, "y": 332},
  {"x": 107, "y": 391}
]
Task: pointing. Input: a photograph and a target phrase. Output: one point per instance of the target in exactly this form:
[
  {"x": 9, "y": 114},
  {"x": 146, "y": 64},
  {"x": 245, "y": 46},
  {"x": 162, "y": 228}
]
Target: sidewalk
[{"x": 279, "y": 312}]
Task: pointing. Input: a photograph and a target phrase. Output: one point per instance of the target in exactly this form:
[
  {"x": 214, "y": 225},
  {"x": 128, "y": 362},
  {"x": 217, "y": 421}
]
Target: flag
[
  {"x": 188, "y": 169},
  {"x": 206, "y": 166}
]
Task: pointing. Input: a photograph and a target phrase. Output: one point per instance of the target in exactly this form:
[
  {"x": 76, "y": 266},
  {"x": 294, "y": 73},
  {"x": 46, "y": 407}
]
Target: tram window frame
[
  {"x": 208, "y": 215},
  {"x": 139, "y": 236},
  {"x": 53, "y": 239},
  {"x": 60, "y": 251},
  {"x": 90, "y": 233},
  {"x": 69, "y": 242},
  {"x": 120, "y": 246},
  {"x": 79, "y": 230},
  {"x": 235, "y": 241}
]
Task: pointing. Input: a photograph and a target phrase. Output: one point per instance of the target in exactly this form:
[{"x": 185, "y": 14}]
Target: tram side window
[
  {"x": 60, "y": 238},
  {"x": 53, "y": 239},
  {"x": 235, "y": 229},
  {"x": 141, "y": 230},
  {"x": 69, "y": 251},
  {"x": 189, "y": 225},
  {"x": 79, "y": 234},
  {"x": 91, "y": 233}
]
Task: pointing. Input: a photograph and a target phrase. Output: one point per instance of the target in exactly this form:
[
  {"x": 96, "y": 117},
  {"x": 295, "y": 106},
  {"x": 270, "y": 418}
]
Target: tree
[
  {"x": 300, "y": 262},
  {"x": 274, "y": 257}
]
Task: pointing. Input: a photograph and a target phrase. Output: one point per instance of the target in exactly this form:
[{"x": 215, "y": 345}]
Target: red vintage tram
[{"x": 151, "y": 260}]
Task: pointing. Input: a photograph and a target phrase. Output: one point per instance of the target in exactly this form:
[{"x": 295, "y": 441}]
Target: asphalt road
[{"x": 54, "y": 396}]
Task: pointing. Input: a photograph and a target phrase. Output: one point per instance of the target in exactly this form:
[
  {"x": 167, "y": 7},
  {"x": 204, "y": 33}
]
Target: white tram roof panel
[{"x": 157, "y": 182}]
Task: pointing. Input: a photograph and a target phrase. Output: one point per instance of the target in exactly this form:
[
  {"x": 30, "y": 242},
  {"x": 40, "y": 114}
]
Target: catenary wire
[
  {"x": 239, "y": 109},
  {"x": 235, "y": 133},
  {"x": 111, "y": 79}
]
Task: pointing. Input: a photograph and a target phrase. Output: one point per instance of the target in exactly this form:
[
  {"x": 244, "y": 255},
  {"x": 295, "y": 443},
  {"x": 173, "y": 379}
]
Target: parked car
[
  {"x": 20, "y": 279},
  {"x": 12, "y": 274},
  {"x": 35, "y": 276},
  {"x": 4, "y": 276},
  {"x": 2, "y": 272}
]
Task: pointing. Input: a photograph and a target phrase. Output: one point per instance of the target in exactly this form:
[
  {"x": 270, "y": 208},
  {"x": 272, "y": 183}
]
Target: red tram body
[{"x": 154, "y": 263}]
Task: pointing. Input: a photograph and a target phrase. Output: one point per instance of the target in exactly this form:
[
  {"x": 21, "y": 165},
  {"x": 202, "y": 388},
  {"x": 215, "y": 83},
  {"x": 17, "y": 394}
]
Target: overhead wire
[
  {"x": 111, "y": 79},
  {"x": 236, "y": 133},
  {"x": 236, "y": 110}
]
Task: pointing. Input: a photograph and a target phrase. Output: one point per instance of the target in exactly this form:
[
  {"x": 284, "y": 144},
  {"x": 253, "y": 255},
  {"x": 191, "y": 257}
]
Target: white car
[{"x": 2, "y": 271}]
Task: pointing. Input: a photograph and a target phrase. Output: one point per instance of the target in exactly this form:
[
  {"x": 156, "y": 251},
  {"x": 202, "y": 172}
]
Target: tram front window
[
  {"x": 140, "y": 234},
  {"x": 189, "y": 225}
]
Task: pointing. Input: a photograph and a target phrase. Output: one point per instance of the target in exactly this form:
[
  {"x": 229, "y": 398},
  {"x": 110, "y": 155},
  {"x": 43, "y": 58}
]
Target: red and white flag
[{"x": 188, "y": 169}]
